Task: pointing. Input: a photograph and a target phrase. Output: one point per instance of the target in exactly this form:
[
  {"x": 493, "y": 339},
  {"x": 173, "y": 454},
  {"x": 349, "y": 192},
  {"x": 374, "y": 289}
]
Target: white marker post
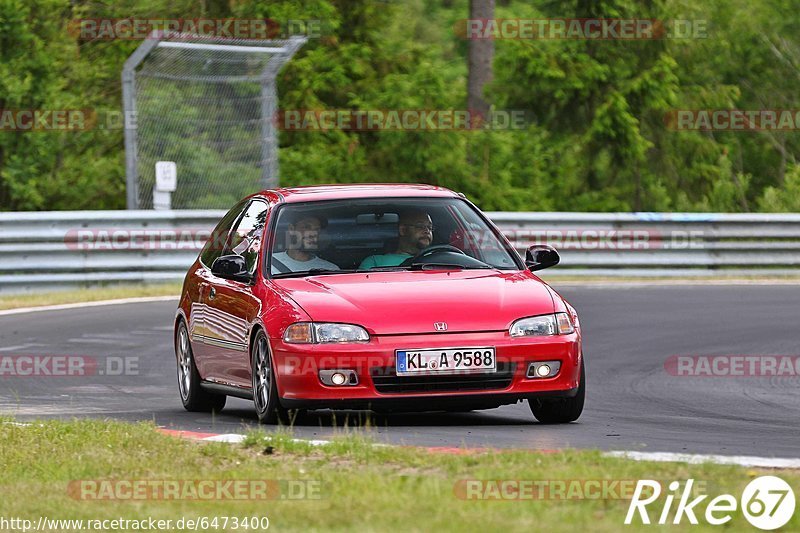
[{"x": 166, "y": 183}]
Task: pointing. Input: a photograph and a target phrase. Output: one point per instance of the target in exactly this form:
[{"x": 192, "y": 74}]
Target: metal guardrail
[
  {"x": 64, "y": 249},
  {"x": 662, "y": 244},
  {"x": 49, "y": 250}
]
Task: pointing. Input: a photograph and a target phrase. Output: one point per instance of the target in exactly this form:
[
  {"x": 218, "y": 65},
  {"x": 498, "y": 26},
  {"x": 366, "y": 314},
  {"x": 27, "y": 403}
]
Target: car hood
[{"x": 391, "y": 303}]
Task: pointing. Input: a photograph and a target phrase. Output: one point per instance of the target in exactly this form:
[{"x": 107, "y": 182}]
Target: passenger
[{"x": 302, "y": 245}]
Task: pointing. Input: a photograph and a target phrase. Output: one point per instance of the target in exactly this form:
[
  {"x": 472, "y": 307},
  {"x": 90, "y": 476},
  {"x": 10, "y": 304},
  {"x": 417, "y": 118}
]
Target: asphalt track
[{"x": 633, "y": 403}]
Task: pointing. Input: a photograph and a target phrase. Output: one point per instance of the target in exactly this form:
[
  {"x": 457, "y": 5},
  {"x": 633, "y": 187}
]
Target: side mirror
[
  {"x": 231, "y": 267},
  {"x": 540, "y": 256}
]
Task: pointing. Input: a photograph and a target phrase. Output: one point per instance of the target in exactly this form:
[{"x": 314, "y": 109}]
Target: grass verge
[
  {"x": 356, "y": 485},
  {"x": 16, "y": 301}
]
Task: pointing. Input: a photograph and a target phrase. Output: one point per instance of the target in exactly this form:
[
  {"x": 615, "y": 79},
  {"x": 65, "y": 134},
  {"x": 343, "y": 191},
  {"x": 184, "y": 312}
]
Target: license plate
[{"x": 445, "y": 361}]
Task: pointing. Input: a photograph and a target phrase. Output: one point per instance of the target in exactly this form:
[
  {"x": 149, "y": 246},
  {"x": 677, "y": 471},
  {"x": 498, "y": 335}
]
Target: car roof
[{"x": 312, "y": 193}]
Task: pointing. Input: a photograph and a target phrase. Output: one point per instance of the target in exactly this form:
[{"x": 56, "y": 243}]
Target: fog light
[
  {"x": 543, "y": 369},
  {"x": 338, "y": 377}
]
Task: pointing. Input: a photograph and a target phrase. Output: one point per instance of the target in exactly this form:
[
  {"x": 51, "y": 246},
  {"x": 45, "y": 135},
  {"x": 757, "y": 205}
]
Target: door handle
[{"x": 212, "y": 293}]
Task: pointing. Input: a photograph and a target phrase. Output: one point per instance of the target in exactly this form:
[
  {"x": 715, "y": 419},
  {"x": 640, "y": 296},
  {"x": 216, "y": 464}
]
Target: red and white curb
[
  {"x": 233, "y": 438},
  {"x": 696, "y": 459},
  {"x": 236, "y": 438}
]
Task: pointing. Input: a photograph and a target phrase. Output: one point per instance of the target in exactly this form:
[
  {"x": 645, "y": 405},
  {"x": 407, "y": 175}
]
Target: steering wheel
[{"x": 432, "y": 249}]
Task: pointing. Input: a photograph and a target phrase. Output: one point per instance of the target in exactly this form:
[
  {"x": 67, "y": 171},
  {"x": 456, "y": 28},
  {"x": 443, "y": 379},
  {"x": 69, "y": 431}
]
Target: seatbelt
[{"x": 282, "y": 269}]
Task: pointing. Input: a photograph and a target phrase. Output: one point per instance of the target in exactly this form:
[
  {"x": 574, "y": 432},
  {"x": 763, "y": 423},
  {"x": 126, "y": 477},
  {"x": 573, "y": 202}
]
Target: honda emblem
[{"x": 440, "y": 326}]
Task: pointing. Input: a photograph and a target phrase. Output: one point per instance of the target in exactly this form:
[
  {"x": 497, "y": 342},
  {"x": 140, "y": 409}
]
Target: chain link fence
[{"x": 208, "y": 104}]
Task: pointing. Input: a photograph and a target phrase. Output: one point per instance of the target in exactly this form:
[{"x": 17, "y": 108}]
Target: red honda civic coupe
[{"x": 383, "y": 297}]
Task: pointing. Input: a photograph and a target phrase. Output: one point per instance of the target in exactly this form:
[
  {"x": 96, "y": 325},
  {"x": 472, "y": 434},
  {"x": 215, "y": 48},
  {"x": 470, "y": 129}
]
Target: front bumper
[{"x": 297, "y": 367}]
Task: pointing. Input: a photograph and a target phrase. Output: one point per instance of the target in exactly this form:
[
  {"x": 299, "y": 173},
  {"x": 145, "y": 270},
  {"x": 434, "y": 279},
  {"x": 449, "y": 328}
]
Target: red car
[{"x": 384, "y": 297}]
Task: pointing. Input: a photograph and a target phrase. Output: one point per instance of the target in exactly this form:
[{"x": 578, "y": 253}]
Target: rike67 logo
[{"x": 767, "y": 502}]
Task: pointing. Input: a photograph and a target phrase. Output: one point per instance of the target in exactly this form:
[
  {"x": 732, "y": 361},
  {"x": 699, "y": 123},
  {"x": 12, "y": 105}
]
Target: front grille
[{"x": 387, "y": 381}]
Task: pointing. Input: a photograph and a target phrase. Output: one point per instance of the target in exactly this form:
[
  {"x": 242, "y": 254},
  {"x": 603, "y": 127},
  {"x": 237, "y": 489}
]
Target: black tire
[
  {"x": 193, "y": 397},
  {"x": 560, "y": 410},
  {"x": 265, "y": 389}
]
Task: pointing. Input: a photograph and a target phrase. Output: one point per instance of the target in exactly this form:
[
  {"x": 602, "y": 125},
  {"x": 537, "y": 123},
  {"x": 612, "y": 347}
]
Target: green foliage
[
  {"x": 783, "y": 199},
  {"x": 596, "y": 138}
]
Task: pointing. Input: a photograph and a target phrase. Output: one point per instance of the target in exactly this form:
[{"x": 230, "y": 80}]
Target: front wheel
[
  {"x": 193, "y": 397},
  {"x": 265, "y": 389},
  {"x": 560, "y": 410}
]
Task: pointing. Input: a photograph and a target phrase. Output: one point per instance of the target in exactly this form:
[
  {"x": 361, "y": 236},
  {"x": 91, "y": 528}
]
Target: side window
[
  {"x": 216, "y": 241},
  {"x": 246, "y": 238}
]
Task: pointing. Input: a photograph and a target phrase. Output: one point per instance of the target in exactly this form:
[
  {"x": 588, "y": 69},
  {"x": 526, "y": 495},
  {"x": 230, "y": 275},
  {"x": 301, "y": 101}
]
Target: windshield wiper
[
  {"x": 311, "y": 272},
  {"x": 455, "y": 266},
  {"x": 425, "y": 266},
  {"x": 436, "y": 266},
  {"x": 384, "y": 269}
]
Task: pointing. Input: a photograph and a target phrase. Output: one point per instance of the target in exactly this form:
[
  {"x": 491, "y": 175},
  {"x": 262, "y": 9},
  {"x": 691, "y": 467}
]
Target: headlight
[
  {"x": 556, "y": 324},
  {"x": 314, "y": 333}
]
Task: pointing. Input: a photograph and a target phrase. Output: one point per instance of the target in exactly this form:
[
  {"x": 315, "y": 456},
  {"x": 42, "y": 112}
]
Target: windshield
[{"x": 334, "y": 237}]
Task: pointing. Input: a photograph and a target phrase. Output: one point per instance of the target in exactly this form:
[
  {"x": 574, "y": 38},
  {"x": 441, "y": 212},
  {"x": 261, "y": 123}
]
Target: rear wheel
[
  {"x": 193, "y": 397},
  {"x": 265, "y": 389},
  {"x": 560, "y": 410}
]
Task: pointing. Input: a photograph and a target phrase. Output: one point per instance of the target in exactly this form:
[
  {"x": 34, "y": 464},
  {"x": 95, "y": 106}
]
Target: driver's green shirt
[{"x": 385, "y": 260}]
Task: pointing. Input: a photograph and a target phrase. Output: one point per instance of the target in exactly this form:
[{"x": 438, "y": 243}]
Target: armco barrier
[
  {"x": 48, "y": 250},
  {"x": 62, "y": 249}
]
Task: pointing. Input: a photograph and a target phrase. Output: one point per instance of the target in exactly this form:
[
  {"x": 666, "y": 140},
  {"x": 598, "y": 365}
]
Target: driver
[{"x": 415, "y": 233}]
